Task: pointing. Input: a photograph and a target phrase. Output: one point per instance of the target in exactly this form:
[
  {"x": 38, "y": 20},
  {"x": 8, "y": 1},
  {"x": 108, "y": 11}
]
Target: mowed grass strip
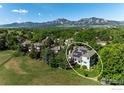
[
  {"x": 5, "y": 56},
  {"x": 26, "y": 71}
]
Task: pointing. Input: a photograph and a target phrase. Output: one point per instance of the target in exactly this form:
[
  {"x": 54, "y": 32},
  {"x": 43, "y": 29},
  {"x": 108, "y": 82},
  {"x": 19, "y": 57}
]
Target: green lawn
[
  {"x": 90, "y": 73},
  {"x": 26, "y": 71}
]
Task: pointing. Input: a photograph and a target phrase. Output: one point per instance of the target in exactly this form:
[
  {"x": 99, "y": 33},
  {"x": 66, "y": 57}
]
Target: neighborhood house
[
  {"x": 56, "y": 49},
  {"x": 37, "y": 47},
  {"x": 69, "y": 41},
  {"x": 83, "y": 57}
]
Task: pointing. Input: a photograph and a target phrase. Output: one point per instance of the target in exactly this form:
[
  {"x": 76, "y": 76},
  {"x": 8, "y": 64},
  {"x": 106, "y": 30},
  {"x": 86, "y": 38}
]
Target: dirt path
[{"x": 14, "y": 65}]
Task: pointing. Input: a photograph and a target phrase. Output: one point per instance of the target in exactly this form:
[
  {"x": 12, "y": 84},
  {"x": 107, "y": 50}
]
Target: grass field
[{"x": 26, "y": 71}]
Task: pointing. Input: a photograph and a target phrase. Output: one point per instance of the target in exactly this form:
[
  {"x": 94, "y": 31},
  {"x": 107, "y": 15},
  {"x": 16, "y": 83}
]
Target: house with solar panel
[{"x": 83, "y": 57}]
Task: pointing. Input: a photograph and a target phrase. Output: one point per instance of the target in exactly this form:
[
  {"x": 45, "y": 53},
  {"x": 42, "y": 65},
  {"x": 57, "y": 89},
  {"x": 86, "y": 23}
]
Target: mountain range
[{"x": 62, "y": 22}]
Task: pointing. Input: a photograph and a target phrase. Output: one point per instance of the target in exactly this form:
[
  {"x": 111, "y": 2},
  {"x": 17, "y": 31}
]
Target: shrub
[
  {"x": 18, "y": 53},
  {"x": 84, "y": 67}
]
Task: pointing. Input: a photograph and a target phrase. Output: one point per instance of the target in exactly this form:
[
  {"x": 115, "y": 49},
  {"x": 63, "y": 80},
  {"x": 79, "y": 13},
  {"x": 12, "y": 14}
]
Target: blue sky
[{"x": 10, "y": 13}]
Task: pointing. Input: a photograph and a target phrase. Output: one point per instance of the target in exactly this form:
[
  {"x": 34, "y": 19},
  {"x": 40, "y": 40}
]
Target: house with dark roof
[{"x": 83, "y": 56}]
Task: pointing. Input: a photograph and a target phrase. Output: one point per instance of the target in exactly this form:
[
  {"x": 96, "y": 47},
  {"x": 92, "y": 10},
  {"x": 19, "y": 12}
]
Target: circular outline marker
[{"x": 77, "y": 71}]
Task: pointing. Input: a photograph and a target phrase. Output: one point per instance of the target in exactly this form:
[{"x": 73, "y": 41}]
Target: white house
[
  {"x": 69, "y": 41},
  {"x": 56, "y": 49},
  {"x": 83, "y": 57},
  {"x": 102, "y": 43},
  {"x": 37, "y": 47}
]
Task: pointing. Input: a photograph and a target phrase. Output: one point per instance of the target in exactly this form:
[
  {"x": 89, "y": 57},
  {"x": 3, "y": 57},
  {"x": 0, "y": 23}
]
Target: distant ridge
[{"x": 62, "y": 22}]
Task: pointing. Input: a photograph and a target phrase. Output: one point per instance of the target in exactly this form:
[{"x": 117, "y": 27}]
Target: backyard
[{"x": 23, "y": 70}]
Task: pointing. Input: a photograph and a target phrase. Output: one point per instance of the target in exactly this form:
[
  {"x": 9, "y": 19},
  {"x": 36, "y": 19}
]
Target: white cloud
[
  {"x": 1, "y": 6},
  {"x": 20, "y": 11},
  {"x": 39, "y": 14}
]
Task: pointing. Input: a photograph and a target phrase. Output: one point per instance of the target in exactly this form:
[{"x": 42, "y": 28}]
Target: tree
[
  {"x": 11, "y": 40},
  {"x": 48, "y": 42},
  {"x": 113, "y": 61},
  {"x": 2, "y": 42},
  {"x": 47, "y": 55},
  {"x": 85, "y": 36}
]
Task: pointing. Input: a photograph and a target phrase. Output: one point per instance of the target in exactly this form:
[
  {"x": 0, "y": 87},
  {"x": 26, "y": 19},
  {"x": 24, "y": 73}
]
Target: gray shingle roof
[{"x": 90, "y": 53}]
